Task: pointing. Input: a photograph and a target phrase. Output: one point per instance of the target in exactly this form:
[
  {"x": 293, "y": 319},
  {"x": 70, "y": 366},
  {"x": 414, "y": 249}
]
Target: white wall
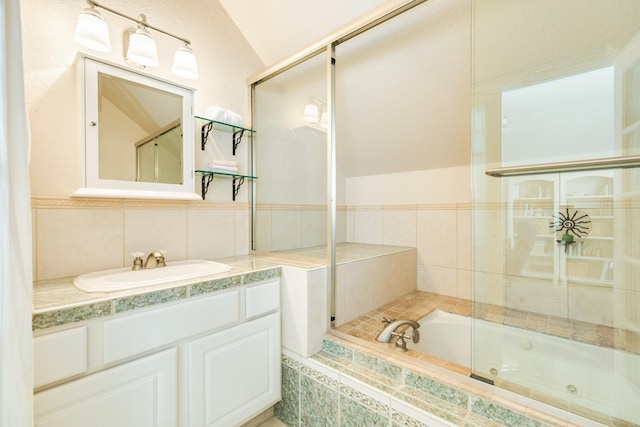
[{"x": 73, "y": 236}]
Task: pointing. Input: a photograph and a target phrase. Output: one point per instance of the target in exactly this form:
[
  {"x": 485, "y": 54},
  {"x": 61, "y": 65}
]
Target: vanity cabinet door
[
  {"x": 234, "y": 374},
  {"x": 142, "y": 393}
]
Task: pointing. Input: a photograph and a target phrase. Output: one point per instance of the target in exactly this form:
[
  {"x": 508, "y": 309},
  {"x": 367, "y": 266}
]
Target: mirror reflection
[{"x": 140, "y": 136}]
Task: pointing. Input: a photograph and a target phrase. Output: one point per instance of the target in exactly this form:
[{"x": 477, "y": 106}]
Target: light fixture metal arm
[{"x": 137, "y": 21}]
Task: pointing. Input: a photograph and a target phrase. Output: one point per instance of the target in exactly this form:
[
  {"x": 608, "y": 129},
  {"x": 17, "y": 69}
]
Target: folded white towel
[
  {"x": 225, "y": 116},
  {"x": 222, "y": 163},
  {"x": 216, "y": 113},
  {"x": 223, "y": 169},
  {"x": 234, "y": 118}
]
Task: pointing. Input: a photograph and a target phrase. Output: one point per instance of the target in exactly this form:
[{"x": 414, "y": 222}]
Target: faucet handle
[
  {"x": 137, "y": 260},
  {"x": 387, "y": 320}
]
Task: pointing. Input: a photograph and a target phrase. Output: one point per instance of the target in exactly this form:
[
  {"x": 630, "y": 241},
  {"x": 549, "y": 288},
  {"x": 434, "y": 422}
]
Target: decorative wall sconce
[
  {"x": 315, "y": 112},
  {"x": 93, "y": 33}
]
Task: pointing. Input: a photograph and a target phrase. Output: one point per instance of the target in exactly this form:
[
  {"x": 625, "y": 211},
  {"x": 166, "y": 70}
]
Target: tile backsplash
[{"x": 77, "y": 236}]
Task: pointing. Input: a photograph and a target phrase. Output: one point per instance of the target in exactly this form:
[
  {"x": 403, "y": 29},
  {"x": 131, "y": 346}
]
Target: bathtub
[{"x": 600, "y": 378}]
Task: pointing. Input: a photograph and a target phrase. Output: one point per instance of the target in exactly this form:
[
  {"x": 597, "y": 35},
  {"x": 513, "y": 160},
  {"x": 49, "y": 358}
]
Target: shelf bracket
[
  {"x": 237, "y": 138},
  {"x": 206, "y": 180},
  {"x": 204, "y": 134},
  {"x": 237, "y": 183}
]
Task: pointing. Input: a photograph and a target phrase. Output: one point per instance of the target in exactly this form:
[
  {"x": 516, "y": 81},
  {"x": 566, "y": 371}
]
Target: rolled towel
[
  {"x": 222, "y": 163},
  {"x": 220, "y": 114},
  {"x": 234, "y": 118},
  {"x": 216, "y": 113},
  {"x": 223, "y": 169}
]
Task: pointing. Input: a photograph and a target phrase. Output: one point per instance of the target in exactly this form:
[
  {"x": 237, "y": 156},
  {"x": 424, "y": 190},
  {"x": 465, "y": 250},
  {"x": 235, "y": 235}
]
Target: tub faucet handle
[{"x": 387, "y": 320}]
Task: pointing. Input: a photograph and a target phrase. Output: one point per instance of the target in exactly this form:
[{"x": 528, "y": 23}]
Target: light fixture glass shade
[
  {"x": 184, "y": 63},
  {"x": 92, "y": 31},
  {"x": 311, "y": 113},
  {"x": 142, "y": 49},
  {"x": 323, "y": 120}
]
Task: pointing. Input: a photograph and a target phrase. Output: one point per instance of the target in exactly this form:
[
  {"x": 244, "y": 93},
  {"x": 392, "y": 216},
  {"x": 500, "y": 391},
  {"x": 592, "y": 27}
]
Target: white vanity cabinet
[
  {"x": 210, "y": 360},
  {"x": 234, "y": 372},
  {"x": 135, "y": 394}
]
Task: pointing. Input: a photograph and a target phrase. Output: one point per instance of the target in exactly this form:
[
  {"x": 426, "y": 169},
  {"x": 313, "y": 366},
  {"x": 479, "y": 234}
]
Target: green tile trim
[
  {"x": 337, "y": 349},
  {"x": 152, "y": 298},
  {"x": 419, "y": 391},
  {"x": 378, "y": 365},
  {"x": 319, "y": 377},
  {"x": 258, "y": 276},
  {"x": 367, "y": 401},
  {"x": 437, "y": 389},
  {"x": 214, "y": 285},
  {"x": 319, "y": 404},
  {"x": 119, "y": 305},
  {"x": 354, "y": 414},
  {"x": 432, "y": 404},
  {"x": 502, "y": 415},
  {"x": 70, "y": 315}
]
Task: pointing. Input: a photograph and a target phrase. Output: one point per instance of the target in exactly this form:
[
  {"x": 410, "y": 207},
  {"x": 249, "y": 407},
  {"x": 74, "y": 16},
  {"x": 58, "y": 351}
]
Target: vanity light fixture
[
  {"x": 315, "y": 112},
  {"x": 140, "y": 48},
  {"x": 311, "y": 113},
  {"x": 184, "y": 63},
  {"x": 92, "y": 31}
]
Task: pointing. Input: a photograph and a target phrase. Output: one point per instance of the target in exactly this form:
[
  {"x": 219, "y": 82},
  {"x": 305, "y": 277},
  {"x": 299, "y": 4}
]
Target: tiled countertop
[{"x": 58, "y": 302}]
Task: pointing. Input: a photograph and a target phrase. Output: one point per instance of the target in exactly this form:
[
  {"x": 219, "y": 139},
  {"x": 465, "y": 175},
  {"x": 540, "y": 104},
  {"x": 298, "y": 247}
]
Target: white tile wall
[{"x": 75, "y": 240}]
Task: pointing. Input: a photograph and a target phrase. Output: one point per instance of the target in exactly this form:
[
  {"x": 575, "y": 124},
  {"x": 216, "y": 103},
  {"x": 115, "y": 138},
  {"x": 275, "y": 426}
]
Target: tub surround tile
[
  {"x": 399, "y": 228},
  {"x": 318, "y": 403},
  {"x": 288, "y": 409},
  {"x": 352, "y": 397},
  {"x": 418, "y": 304},
  {"x": 435, "y": 388},
  {"x": 437, "y": 238},
  {"x": 367, "y": 227},
  {"x": 501, "y": 415},
  {"x": 357, "y": 414}
]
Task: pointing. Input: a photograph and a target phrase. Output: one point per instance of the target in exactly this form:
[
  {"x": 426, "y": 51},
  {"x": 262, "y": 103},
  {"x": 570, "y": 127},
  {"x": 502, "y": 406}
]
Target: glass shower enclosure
[
  {"x": 556, "y": 144},
  {"x": 552, "y": 167}
]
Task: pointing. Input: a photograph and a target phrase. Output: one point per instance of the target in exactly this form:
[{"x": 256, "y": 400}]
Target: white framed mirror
[{"x": 138, "y": 133}]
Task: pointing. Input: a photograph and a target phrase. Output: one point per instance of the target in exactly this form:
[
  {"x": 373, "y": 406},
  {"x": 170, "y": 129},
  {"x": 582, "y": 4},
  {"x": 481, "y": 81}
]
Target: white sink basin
[{"x": 125, "y": 278}]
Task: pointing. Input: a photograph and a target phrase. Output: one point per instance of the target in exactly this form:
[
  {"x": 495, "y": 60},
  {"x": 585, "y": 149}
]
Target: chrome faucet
[
  {"x": 390, "y": 332},
  {"x": 155, "y": 259}
]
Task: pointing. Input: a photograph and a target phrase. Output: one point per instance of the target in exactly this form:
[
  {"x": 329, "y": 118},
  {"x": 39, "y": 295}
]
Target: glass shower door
[
  {"x": 290, "y": 159},
  {"x": 556, "y": 260}
]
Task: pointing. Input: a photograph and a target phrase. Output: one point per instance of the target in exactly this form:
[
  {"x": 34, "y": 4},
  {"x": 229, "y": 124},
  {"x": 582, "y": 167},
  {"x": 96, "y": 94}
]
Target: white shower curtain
[{"x": 16, "y": 366}]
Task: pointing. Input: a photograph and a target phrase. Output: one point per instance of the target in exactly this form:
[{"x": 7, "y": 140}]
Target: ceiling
[
  {"x": 292, "y": 25},
  {"x": 404, "y": 86}
]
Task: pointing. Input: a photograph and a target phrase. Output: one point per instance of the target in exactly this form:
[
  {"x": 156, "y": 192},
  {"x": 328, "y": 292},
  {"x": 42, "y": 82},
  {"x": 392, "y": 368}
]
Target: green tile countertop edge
[{"x": 119, "y": 304}]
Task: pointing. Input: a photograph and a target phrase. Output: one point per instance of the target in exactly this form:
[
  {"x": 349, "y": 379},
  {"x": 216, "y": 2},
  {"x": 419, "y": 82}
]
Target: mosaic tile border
[
  {"x": 116, "y": 305},
  {"x": 81, "y": 202},
  {"x": 411, "y": 399}
]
